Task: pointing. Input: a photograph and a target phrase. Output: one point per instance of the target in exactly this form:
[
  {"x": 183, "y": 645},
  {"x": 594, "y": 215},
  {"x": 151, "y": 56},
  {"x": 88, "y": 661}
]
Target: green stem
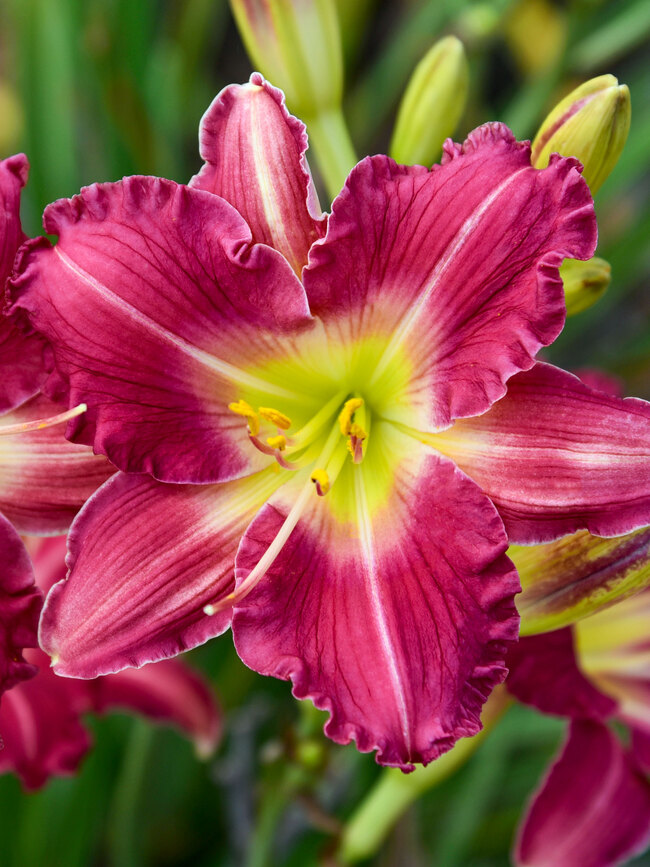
[
  {"x": 395, "y": 791},
  {"x": 330, "y": 140},
  {"x": 124, "y": 831}
]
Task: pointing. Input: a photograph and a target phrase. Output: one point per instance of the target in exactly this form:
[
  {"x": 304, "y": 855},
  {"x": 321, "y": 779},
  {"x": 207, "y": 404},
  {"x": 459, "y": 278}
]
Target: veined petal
[
  {"x": 576, "y": 576},
  {"x": 41, "y": 728},
  {"x": 145, "y": 559},
  {"x": 592, "y": 810},
  {"x": 20, "y": 606},
  {"x": 555, "y": 457},
  {"x": 254, "y": 153},
  {"x": 613, "y": 648},
  {"x": 21, "y": 356},
  {"x": 390, "y": 605},
  {"x": 456, "y": 268},
  {"x": 153, "y": 299},
  {"x": 44, "y": 479},
  {"x": 543, "y": 672},
  {"x": 168, "y": 692}
]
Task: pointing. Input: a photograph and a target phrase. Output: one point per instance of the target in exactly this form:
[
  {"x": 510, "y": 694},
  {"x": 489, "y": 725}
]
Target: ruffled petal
[
  {"x": 254, "y": 153},
  {"x": 543, "y": 672},
  {"x": 390, "y": 605},
  {"x": 41, "y": 728},
  {"x": 20, "y": 606},
  {"x": 44, "y": 479},
  {"x": 168, "y": 692},
  {"x": 157, "y": 307},
  {"x": 593, "y": 809},
  {"x": 614, "y": 651},
  {"x": 454, "y": 271},
  {"x": 578, "y": 575},
  {"x": 145, "y": 559},
  {"x": 555, "y": 457},
  {"x": 21, "y": 356}
]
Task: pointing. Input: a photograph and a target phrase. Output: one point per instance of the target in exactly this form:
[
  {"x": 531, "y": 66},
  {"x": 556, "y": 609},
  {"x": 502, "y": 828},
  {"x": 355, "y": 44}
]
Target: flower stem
[
  {"x": 330, "y": 140},
  {"x": 395, "y": 791}
]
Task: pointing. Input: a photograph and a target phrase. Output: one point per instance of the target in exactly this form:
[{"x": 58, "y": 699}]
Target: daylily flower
[
  {"x": 593, "y": 808},
  {"x": 297, "y": 379},
  {"x": 40, "y": 713}
]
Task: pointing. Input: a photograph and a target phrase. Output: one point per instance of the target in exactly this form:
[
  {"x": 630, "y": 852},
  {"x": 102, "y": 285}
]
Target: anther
[
  {"x": 279, "y": 419},
  {"x": 240, "y": 407},
  {"x": 347, "y": 414},
  {"x": 278, "y": 442},
  {"x": 321, "y": 480}
]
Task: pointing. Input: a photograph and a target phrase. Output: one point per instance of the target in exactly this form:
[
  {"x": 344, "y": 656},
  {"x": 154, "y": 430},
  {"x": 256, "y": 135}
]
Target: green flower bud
[
  {"x": 592, "y": 124},
  {"x": 584, "y": 282},
  {"x": 432, "y": 104},
  {"x": 296, "y": 44}
]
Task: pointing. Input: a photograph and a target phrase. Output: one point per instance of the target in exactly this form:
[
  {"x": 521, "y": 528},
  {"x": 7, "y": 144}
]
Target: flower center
[{"x": 339, "y": 428}]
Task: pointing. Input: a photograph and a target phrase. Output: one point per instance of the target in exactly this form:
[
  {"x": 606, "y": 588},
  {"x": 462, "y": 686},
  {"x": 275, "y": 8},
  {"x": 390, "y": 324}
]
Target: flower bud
[
  {"x": 592, "y": 124},
  {"x": 296, "y": 45},
  {"x": 584, "y": 282},
  {"x": 432, "y": 104}
]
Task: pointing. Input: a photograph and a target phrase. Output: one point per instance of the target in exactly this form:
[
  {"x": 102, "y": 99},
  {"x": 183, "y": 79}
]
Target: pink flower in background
[
  {"x": 40, "y": 713},
  {"x": 324, "y": 423}
]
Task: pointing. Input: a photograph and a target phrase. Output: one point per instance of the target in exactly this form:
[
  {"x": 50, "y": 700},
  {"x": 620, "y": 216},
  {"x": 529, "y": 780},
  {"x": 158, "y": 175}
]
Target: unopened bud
[
  {"x": 296, "y": 45},
  {"x": 592, "y": 124},
  {"x": 584, "y": 282},
  {"x": 432, "y": 104}
]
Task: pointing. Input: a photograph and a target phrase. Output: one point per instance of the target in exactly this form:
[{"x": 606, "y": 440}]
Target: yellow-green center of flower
[{"x": 337, "y": 431}]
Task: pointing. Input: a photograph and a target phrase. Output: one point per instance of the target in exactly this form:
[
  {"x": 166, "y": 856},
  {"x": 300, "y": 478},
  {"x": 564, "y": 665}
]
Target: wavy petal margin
[
  {"x": 156, "y": 302},
  {"x": 395, "y": 620},
  {"x": 22, "y": 368},
  {"x": 20, "y": 606},
  {"x": 145, "y": 559},
  {"x": 555, "y": 457},
  {"x": 592, "y": 810},
  {"x": 254, "y": 153},
  {"x": 459, "y": 266}
]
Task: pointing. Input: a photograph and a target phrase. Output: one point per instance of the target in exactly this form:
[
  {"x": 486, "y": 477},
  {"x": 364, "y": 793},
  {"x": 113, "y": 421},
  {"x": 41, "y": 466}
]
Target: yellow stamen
[
  {"x": 279, "y": 419},
  {"x": 278, "y": 442},
  {"x": 240, "y": 407},
  {"x": 347, "y": 413},
  {"x": 321, "y": 480}
]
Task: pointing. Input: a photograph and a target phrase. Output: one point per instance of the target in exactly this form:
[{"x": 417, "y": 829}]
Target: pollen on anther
[
  {"x": 241, "y": 407},
  {"x": 279, "y": 442},
  {"x": 347, "y": 413},
  {"x": 279, "y": 419},
  {"x": 322, "y": 481}
]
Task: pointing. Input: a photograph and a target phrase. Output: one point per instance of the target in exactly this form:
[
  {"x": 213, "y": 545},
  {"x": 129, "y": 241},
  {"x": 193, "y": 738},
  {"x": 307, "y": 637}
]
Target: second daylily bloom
[
  {"x": 217, "y": 337},
  {"x": 40, "y": 713}
]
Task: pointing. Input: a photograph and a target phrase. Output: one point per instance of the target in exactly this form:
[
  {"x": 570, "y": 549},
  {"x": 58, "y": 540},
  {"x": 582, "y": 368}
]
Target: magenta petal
[
  {"x": 20, "y": 606},
  {"x": 593, "y": 809},
  {"x": 555, "y": 457},
  {"x": 167, "y": 691},
  {"x": 41, "y": 730},
  {"x": 21, "y": 356},
  {"x": 254, "y": 153},
  {"x": 398, "y": 627},
  {"x": 154, "y": 299},
  {"x": 44, "y": 479},
  {"x": 543, "y": 672},
  {"x": 459, "y": 266},
  {"x": 145, "y": 558}
]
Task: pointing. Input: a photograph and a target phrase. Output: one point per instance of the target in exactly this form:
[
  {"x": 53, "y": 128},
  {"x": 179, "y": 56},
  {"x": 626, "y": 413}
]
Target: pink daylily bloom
[
  {"x": 41, "y": 714},
  {"x": 593, "y": 807},
  {"x": 346, "y": 418}
]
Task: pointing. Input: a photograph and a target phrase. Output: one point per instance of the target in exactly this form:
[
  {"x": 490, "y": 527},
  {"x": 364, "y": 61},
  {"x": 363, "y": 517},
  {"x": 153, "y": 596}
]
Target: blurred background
[{"x": 92, "y": 90}]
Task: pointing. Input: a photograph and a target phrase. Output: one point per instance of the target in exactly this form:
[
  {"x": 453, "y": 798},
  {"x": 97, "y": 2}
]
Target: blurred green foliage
[{"x": 95, "y": 89}]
